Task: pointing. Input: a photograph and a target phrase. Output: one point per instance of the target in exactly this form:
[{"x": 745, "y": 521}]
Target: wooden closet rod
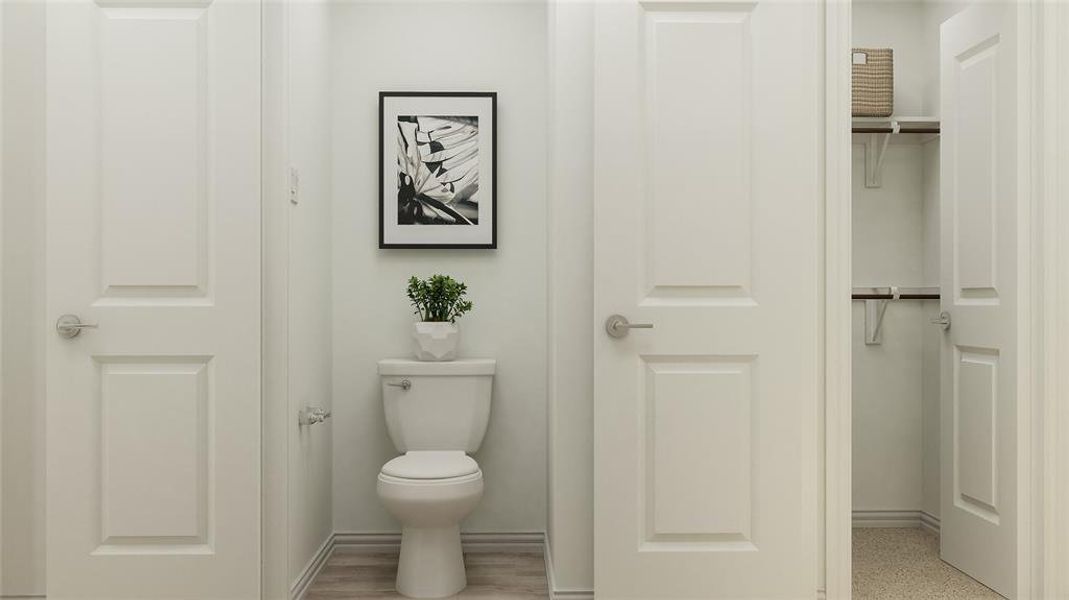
[
  {"x": 889, "y": 130},
  {"x": 904, "y": 293},
  {"x": 890, "y": 297}
]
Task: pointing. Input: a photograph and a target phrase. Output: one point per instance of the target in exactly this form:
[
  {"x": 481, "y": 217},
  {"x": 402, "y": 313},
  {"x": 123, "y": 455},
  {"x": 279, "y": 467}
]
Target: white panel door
[
  {"x": 708, "y": 133},
  {"x": 153, "y": 234},
  {"x": 979, "y": 219}
]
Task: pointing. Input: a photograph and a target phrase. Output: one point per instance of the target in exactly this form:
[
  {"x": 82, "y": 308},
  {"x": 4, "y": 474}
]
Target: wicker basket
[{"x": 873, "y": 82}]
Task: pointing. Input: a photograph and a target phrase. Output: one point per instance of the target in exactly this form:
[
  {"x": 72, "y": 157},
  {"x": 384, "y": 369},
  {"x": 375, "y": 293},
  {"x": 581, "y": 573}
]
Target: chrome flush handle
[{"x": 404, "y": 384}]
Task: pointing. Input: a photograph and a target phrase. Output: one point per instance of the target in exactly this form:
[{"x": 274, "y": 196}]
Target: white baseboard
[
  {"x": 896, "y": 518},
  {"x": 572, "y": 595},
  {"x": 368, "y": 543},
  {"x": 556, "y": 593},
  {"x": 312, "y": 569},
  {"x": 472, "y": 542},
  {"x": 930, "y": 522}
]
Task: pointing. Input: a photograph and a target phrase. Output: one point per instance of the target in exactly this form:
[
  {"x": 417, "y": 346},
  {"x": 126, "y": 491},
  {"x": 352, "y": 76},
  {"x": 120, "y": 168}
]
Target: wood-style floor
[{"x": 351, "y": 573}]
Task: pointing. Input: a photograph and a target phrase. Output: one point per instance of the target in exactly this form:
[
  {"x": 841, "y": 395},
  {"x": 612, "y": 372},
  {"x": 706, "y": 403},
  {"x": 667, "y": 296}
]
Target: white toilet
[{"x": 436, "y": 413}]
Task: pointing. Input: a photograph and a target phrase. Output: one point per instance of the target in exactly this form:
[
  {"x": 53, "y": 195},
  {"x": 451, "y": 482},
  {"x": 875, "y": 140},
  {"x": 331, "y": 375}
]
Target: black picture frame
[{"x": 390, "y": 187}]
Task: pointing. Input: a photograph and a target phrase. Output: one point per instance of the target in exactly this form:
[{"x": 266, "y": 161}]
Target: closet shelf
[{"x": 881, "y": 130}]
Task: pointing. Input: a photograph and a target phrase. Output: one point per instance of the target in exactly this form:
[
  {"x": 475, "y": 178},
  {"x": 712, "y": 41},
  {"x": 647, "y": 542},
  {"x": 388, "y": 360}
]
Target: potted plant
[{"x": 438, "y": 302}]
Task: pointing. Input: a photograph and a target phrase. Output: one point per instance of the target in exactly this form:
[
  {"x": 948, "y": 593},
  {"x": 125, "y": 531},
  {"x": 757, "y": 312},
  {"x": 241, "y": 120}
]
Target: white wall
[
  {"x": 441, "y": 46},
  {"x": 310, "y": 331},
  {"x": 23, "y": 519}
]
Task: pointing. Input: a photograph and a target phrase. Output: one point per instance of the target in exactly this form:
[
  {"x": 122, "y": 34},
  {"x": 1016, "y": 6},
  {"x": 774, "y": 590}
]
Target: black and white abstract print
[{"x": 437, "y": 170}]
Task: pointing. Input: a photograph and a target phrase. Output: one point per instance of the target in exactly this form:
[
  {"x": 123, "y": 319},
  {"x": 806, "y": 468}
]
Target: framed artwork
[{"x": 437, "y": 170}]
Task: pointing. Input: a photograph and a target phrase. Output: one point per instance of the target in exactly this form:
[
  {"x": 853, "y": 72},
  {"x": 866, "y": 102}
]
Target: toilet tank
[{"x": 444, "y": 406}]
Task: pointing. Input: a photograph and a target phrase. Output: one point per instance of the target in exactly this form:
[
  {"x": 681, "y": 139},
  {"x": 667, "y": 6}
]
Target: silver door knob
[
  {"x": 943, "y": 320},
  {"x": 70, "y": 326},
  {"x": 618, "y": 326}
]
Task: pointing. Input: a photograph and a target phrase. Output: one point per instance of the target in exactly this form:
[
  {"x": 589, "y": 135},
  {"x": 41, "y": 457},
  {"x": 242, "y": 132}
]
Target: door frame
[
  {"x": 1043, "y": 409},
  {"x": 2, "y": 203},
  {"x": 837, "y": 502},
  {"x": 274, "y": 302}
]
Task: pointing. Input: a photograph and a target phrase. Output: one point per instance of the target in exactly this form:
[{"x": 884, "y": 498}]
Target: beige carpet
[{"x": 901, "y": 564}]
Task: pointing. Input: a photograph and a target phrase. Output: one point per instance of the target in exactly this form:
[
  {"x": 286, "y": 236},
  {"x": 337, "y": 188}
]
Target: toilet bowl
[
  {"x": 429, "y": 494},
  {"x": 436, "y": 415}
]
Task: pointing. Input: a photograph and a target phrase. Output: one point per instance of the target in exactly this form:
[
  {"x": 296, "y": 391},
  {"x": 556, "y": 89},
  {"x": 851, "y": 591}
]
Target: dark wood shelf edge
[{"x": 900, "y": 297}]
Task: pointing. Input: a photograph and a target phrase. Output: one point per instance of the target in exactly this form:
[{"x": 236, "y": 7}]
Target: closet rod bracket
[
  {"x": 874, "y": 312},
  {"x": 875, "y": 151}
]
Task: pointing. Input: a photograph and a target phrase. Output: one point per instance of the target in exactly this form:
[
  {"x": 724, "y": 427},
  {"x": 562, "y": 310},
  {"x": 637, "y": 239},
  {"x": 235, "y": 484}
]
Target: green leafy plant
[{"x": 439, "y": 298}]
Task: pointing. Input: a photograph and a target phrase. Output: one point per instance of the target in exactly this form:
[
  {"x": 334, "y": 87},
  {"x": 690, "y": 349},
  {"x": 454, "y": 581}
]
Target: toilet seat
[
  {"x": 429, "y": 484},
  {"x": 431, "y": 465}
]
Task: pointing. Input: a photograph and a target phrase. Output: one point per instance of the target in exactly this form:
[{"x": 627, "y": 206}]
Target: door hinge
[{"x": 295, "y": 186}]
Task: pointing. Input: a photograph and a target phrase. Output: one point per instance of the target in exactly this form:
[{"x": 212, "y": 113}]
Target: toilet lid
[{"x": 431, "y": 464}]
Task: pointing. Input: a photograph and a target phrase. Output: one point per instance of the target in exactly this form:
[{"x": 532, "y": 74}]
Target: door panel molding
[
  {"x": 683, "y": 238},
  {"x": 975, "y": 431},
  {"x": 154, "y": 460},
  {"x": 708, "y": 505}
]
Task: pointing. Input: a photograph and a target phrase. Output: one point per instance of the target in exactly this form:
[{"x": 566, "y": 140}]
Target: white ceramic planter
[{"x": 436, "y": 341}]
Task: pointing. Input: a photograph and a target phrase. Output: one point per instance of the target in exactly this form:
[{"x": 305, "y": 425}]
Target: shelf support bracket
[
  {"x": 875, "y": 151},
  {"x": 874, "y": 312}
]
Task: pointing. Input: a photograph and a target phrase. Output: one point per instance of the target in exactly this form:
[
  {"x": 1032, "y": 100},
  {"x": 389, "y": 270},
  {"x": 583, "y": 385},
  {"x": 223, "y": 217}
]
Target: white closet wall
[
  {"x": 896, "y": 383},
  {"x": 888, "y": 378},
  {"x": 899, "y": 25}
]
